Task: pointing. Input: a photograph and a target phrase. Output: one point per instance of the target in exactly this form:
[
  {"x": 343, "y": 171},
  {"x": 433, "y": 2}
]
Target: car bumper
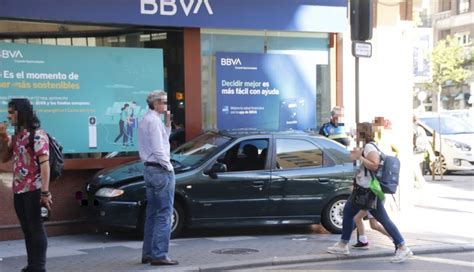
[
  {"x": 110, "y": 213},
  {"x": 460, "y": 161},
  {"x": 460, "y": 165}
]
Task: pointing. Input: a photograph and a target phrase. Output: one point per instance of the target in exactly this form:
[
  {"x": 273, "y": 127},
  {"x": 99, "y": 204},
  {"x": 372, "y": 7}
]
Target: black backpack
[{"x": 56, "y": 159}]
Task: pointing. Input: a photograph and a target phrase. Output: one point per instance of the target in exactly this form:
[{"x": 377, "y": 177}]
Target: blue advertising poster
[
  {"x": 265, "y": 91},
  {"x": 90, "y": 99}
]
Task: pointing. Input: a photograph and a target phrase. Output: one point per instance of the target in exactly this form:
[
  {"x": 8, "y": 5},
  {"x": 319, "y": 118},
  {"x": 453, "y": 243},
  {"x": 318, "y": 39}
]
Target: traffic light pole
[{"x": 357, "y": 90}]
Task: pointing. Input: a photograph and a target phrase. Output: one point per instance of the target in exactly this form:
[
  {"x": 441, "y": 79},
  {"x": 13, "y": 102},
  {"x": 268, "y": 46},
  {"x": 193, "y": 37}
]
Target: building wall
[
  {"x": 448, "y": 19},
  {"x": 66, "y": 216}
]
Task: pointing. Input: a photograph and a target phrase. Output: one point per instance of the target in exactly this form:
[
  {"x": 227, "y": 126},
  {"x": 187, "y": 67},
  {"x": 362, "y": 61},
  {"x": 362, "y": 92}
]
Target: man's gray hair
[
  {"x": 336, "y": 111},
  {"x": 155, "y": 96}
]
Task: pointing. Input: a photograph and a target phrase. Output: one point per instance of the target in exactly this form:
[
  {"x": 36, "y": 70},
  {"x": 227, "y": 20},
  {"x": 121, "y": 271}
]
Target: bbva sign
[{"x": 170, "y": 7}]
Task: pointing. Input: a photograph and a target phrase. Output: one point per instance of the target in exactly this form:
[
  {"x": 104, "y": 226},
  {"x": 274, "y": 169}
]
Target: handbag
[{"x": 363, "y": 198}]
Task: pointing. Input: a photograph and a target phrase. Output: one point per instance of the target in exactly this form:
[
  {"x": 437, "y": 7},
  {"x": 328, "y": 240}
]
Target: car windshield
[
  {"x": 196, "y": 151},
  {"x": 448, "y": 125}
]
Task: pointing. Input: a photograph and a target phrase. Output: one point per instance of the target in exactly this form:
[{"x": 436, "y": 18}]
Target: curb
[{"x": 278, "y": 261}]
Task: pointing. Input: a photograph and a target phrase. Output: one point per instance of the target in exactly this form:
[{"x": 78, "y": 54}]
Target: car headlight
[
  {"x": 109, "y": 192},
  {"x": 456, "y": 144}
]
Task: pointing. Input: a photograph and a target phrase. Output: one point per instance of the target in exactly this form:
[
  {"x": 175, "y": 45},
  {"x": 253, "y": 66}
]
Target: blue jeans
[
  {"x": 160, "y": 185},
  {"x": 380, "y": 214}
]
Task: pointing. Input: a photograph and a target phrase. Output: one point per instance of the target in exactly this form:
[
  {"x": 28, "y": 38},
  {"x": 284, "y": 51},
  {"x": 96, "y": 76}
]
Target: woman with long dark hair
[{"x": 29, "y": 148}]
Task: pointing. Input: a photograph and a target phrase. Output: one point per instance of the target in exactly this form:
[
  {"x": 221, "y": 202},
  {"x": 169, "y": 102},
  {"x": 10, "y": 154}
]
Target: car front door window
[{"x": 249, "y": 155}]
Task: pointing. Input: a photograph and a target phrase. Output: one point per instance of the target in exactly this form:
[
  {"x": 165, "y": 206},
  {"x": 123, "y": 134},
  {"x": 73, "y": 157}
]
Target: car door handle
[
  {"x": 323, "y": 180},
  {"x": 258, "y": 183}
]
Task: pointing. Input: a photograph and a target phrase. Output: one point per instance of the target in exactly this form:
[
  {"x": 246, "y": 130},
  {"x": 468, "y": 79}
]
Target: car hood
[
  {"x": 123, "y": 173},
  {"x": 129, "y": 171},
  {"x": 465, "y": 138}
]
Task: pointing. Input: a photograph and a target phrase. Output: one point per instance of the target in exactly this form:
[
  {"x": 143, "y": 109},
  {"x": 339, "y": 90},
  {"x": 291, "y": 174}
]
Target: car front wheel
[
  {"x": 333, "y": 214},
  {"x": 177, "y": 220},
  {"x": 439, "y": 165}
]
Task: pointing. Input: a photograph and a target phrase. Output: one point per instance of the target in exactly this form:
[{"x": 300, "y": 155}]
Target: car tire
[
  {"x": 439, "y": 165},
  {"x": 178, "y": 220},
  {"x": 177, "y": 223},
  {"x": 333, "y": 214}
]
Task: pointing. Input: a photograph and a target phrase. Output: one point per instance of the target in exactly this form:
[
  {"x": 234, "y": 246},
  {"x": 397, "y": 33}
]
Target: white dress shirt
[{"x": 153, "y": 140}]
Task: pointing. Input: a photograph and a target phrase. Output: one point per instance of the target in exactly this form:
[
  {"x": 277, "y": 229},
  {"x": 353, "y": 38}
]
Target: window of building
[
  {"x": 312, "y": 45},
  {"x": 464, "y": 38},
  {"x": 443, "y": 34},
  {"x": 294, "y": 153},
  {"x": 445, "y": 5},
  {"x": 464, "y": 6},
  {"x": 170, "y": 40}
]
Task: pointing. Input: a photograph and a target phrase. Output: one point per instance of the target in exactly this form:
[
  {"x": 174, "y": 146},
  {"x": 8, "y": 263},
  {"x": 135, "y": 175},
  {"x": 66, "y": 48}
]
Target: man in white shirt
[{"x": 154, "y": 150}]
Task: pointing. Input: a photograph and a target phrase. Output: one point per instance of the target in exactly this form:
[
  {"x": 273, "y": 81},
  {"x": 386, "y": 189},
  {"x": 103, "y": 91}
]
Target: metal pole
[{"x": 357, "y": 89}]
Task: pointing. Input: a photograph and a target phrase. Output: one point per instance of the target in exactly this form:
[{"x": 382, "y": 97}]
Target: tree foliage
[{"x": 448, "y": 62}]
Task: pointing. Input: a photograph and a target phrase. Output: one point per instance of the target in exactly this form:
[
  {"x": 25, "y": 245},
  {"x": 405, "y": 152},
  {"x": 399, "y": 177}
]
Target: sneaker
[
  {"x": 337, "y": 249},
  {"x": 360, "y": 245},
  {"x": 402, "y": 255}
]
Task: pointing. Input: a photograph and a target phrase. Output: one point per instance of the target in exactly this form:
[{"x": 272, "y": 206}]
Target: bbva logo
[
  {"x": 10, "y": 54},
  {"x": 170, "y": 7},
  {"x": 230, "y": 62}
]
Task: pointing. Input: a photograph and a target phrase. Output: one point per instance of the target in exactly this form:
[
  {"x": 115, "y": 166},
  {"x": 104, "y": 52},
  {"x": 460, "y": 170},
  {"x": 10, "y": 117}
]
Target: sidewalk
[{"x": 441, "y": 223}]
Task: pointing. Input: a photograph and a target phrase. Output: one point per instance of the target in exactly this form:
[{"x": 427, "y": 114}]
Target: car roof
[
  {"x": 243, "y": 133},
  {"x": 432, "y": 114}
]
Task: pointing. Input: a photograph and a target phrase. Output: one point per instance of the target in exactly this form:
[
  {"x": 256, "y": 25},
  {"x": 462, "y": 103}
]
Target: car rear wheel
[
  {"x": 333, "y": 214},
  {"x": 177, "y": 220}
]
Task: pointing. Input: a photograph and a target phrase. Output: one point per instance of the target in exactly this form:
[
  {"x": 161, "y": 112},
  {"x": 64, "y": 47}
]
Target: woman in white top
[{"x": 369, "y": 161}]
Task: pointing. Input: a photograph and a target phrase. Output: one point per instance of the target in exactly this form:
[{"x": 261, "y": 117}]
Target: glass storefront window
[
  {"x": 311, "y": 45},
  {"x": 170, "y": 40}
]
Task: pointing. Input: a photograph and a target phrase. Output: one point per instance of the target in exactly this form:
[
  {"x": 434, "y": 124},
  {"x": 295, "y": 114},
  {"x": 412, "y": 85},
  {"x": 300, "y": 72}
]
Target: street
[
  {"x": 438, "y": 230},
  {"x": 433, "y": 262}
]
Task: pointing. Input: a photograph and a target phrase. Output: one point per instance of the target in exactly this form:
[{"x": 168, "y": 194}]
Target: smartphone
[{"x": 3, "y": 127}]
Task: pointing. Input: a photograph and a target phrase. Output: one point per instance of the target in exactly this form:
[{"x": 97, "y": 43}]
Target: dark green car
[{"x": 233, "y": 180}]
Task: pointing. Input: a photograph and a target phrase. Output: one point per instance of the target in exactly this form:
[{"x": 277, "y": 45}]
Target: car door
[
  {"x": 241, "y": 191},
  {"x": 303, "y": 176}
]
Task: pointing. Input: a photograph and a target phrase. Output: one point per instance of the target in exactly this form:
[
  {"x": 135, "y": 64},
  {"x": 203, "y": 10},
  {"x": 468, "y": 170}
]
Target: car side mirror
[{"x": 216, "y": 168}]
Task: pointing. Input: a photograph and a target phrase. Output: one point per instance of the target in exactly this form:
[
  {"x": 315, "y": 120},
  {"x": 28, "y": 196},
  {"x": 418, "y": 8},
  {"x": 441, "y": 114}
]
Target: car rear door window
[{"x": 296, "y": 153}]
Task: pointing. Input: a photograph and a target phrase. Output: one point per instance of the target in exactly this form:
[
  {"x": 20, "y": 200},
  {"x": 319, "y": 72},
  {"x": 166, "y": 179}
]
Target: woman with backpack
[{"x": 369, "y": 159}]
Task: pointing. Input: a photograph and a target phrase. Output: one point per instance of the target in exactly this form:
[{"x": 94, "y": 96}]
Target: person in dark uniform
[{"x": 334, "y": 129}]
